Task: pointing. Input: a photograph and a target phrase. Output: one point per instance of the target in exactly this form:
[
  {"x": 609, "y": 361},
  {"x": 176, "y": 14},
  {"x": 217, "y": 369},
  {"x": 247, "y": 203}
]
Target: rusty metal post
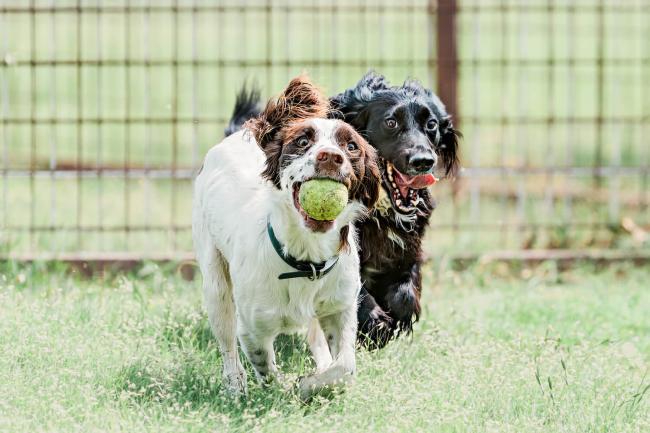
[
  {"x": 447, "y": 71},
  {"x": 600, "y": 93},
  {"x": 446, "y": 43}
]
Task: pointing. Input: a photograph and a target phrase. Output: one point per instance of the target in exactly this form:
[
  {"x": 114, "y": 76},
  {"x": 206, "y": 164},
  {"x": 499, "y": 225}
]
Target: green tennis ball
[{"x": 323, "y": 199}]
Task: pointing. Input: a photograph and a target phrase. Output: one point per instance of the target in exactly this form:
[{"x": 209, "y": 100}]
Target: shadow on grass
[
  {"x": 192, "y": 330},
  {"x": 186, "y": 372}
]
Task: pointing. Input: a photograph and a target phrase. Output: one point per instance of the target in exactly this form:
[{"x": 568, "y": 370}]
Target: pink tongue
[
  {"x": 405, "y": 182},
  {"x": 422, "y": 181}
]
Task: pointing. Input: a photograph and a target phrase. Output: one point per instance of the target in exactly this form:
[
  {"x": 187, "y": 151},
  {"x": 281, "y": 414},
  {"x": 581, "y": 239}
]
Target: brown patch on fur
[
  {"x": 301, "y": 100},
  {"x": 272, "y": 167},
  {"x": 365, "y": 187},
  {"x": 297, "y": 130},
  {"x": 286, "y": 147},
  {"x": 368, "y": 192},
  {"x": 344, "y": 245},
  {"x": 345, "y": 134}
]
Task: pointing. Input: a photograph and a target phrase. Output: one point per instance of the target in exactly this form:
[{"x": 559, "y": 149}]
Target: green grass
[{"x": 498, "y": 349}]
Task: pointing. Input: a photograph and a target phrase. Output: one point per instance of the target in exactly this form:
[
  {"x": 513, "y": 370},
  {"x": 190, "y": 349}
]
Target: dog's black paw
[
  {"x": 404, "y": 307},
  {"x": 376, "y": 330}
]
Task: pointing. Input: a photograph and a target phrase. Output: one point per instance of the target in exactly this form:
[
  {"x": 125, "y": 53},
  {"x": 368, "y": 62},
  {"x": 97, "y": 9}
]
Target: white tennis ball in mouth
[{"x": 323, "y": 199}]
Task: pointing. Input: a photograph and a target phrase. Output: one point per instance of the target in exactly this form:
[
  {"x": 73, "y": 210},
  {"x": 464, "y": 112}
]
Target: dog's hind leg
[{"x": 217, "y": 291}]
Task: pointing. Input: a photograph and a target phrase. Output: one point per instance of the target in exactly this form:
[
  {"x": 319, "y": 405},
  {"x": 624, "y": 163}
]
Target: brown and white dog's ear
[
  {"x": 368, "y": 191},
  {"x": 300, "y": 100}
]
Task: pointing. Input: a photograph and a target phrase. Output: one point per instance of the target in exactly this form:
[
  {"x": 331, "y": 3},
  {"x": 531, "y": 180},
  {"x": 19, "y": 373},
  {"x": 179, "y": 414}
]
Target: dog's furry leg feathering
[{"x": 217, "y": 291}]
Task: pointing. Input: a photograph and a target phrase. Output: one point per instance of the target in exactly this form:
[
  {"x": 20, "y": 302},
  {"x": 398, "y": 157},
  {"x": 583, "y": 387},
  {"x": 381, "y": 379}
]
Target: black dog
[{"x": 414, "y": 136}]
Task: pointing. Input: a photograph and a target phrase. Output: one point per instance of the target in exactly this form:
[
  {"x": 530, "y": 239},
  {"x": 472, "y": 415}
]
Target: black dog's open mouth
[
  {"x": 320, "y": 226},
  {"x": 404, "y": 190}
]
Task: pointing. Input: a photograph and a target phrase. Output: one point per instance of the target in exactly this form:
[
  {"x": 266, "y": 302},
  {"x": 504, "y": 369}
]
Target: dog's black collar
[{"x": 310, "y": 270}]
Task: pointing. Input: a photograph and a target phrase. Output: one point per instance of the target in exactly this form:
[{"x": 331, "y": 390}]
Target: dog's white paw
[
  {"x": 234, "y": 382},
  {"x": 333, "y": 378}
]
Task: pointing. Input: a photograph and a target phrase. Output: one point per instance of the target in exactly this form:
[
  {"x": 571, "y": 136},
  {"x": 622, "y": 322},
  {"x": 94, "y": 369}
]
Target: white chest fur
[{"x": 281, "y": 306}]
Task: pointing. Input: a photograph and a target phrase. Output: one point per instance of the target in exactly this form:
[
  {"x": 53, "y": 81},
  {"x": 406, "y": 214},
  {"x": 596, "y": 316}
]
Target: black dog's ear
[
  {"x": 448, "y": 147},
  {"x": 368, "y": 191},
  {"x": 300, "y": 100},
  {"x": 349, "y": 105}
]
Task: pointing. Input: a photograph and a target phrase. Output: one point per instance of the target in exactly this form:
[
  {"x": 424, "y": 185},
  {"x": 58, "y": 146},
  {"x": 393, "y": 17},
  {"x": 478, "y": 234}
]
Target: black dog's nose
[{"x": 422, "y": 162}]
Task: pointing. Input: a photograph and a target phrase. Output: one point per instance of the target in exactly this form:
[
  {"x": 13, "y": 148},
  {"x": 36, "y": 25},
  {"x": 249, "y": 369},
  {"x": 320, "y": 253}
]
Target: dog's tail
[{"x": 247, "y": 106}]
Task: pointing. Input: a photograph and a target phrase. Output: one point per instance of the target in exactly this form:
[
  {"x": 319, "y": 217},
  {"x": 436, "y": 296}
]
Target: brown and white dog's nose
[{"x": 329, "y": 160}]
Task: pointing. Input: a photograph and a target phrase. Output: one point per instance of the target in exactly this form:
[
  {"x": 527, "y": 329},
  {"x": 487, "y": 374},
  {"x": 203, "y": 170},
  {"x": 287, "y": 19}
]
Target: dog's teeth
[{"x": 398, "y": 202}]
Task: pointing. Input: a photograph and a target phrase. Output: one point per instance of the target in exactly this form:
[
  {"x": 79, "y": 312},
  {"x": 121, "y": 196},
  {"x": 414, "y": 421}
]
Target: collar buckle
[
  {"x": 310, "y": 270},
  {"x": 314, "y": 274}
]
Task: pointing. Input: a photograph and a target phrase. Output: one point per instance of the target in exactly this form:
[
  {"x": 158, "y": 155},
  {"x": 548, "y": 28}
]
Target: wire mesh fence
[{"x": 107, "y": 108}]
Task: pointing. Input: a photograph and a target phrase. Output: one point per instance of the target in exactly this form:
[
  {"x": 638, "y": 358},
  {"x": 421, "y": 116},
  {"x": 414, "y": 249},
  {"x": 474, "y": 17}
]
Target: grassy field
[{"x": 498, "y": 349}]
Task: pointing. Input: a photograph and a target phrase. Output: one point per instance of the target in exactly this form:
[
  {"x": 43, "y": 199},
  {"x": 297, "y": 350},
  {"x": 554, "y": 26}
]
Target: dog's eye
[
  {"x": 303, "y": 141},
  {"x": 391, "y": 123},
  {"x": 432, "y": 124},
  {"x": 352, "y": 146}
]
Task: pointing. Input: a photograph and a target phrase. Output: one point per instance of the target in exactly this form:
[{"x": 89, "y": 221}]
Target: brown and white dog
[{"x": 268, "y": 268}]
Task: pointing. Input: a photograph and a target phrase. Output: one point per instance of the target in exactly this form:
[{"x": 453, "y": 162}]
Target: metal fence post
[
  {"x": 446, "y": 43},
  {"x": 447, "y": 74}
]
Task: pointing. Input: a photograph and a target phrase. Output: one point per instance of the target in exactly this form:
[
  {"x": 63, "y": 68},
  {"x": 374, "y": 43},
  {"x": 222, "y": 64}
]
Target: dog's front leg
[
  {"x": 403, "y": 300},
  {"x": 258, "y": 348},
  {"x": 318, "y": 346},
  {"x": 375, "y": 325},
  {"x": 340, "y": 331}
]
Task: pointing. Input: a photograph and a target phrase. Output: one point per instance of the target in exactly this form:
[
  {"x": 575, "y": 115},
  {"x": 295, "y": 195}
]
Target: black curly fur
[
  {"x": 354, "y": 106},
  {"x": 390, "y": 266},
  {"x": 247, "y": 106}
]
